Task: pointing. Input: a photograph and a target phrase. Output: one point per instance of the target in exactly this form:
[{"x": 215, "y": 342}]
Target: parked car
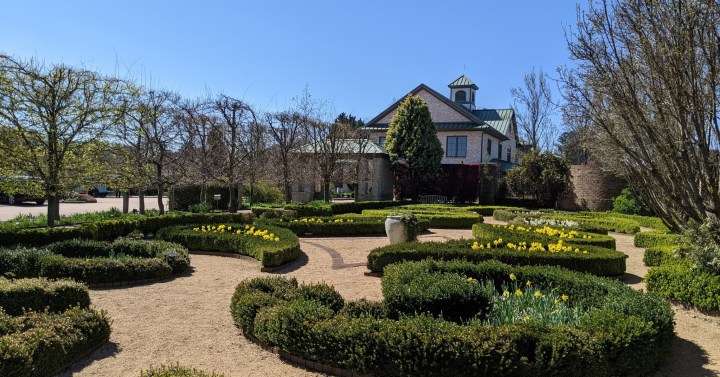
[
  {"x": 19, "y": 198},
  {"x": 21, "y": 188},
  {"x": 96, "y": 190}
]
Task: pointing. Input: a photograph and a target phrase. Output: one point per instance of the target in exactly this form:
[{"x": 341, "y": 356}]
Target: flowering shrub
[
  {"x": 558, "y": 247},
  {"x": 562, "y": 238},
  {"x": 249, "y": 231},
  {"x": 320, "y": 220}
]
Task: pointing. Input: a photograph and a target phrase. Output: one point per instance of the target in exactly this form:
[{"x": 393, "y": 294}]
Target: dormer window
[{"x": 460, "y": 96}]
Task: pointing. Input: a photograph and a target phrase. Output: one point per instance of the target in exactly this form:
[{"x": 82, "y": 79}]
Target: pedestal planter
[{"x": 400, "y": 228}]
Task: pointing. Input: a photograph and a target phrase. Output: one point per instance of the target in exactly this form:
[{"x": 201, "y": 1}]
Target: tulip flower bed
[
  {"x": 544, "y": 234},
  {"x": 522, "y": 321},
  {"x": 97, "y": 262},
  {"x": 272, "y": 246},
  {"x": 57, "y": 328}
]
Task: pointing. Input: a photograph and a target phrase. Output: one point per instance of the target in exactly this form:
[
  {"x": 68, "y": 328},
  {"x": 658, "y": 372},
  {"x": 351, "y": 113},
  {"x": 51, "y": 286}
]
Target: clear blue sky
[{"x": 359, "y": 56}]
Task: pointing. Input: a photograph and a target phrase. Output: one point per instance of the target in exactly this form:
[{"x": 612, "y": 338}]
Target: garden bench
[{"x": 433, "y": 199}]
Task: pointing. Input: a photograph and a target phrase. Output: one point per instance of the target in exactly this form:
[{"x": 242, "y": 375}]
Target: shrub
[
  {"x": 504, "y": 215},
  {"x": 224, "y": 239},
  {"x": 597, "y": 261},
  {"x": 657, "y": 255},
  {"x": 446, "y": 219},
  {"x": 627, "y": 203},
  {"x": 336, "y": 226},
  {"x": 679, "y": 280},
  {"x": 620, "y": 331},
  {"x": 358, "y": 207},
  {"x": 545, "y": 234},
  {"x": 650, "y": 239},
  {"x": 703, "y": 249},
  {"x": 39, "y": 344},
  {"x": 176, "y": 371},
  {"x": 305, "y": 210},
  {"x": 263, "y": 192},
  {"x": 490, "y": 210},
  {"x": 20, "y": 295},
  {"x": 200, "y": 208},
  {"x": 595, "y": 219},
  {"x": 96, "y": 262}
]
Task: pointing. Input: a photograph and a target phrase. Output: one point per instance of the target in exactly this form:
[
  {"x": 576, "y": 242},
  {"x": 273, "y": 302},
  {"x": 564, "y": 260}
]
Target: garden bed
[
  {"x": 544, "y": 234},
  {"x": 336, "y": 226},
  {"x": 616, "y": 330}
]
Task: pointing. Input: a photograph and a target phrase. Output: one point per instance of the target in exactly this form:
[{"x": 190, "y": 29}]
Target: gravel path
[{"x": 187, "y": 319}]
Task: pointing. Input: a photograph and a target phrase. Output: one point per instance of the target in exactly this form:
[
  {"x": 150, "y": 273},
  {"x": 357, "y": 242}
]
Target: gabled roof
[
  {"x": 499, "y": 119},
  {"x": 463, "y": 82},
  {"x": 473, "y": 122}
]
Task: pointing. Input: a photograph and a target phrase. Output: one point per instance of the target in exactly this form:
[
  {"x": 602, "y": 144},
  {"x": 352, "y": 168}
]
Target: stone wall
[{"x": 591, "y": 189}]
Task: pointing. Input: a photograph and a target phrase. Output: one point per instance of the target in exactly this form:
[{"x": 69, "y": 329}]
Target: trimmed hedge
[
  {"x": 447, "y": 219},
  {"x": 598, "y": 261},
  {"x": 269, "y": 253},
  {"x": 20, "y": 295},
  {"x": 679, "y": 280},
  {"x": 97, "y": 262},
  {"x": 511, "y": 233},
  {"x": 490, "y": 210},
  {"x": 329, "y": 227},
  {"x": 657, "y": 255},
  {"x": 39, "y": 344},
  {"x": 612, "y": 224},
  {"x": 650, "y": 239},
  {"x": 622, "y": 333},
  {"x": 107, "y": 230}
]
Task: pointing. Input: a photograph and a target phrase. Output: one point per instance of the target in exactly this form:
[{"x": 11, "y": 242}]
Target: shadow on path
[
  {"x": 337, "y": 260},
  {"x": 294, "y": 265},
  {"x": 687, "y": 359},
  {"x": 107, "y": 350}
]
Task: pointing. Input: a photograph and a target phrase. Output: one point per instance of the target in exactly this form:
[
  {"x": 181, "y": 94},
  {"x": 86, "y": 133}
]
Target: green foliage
[
  {"x": 620, "y": 332},
  {"x": 680, "y": 280},
  {"x": 521, "y": 302},
  {"x": 412, "y": 142},
  {"x": 305, "y": 210},
  {"x": 336, "y": 226},
  {"x": 273, "y": 213},
  {"x": 511, "y": 233},
  {"x": 358, "y": 207},
  {"x": 598, "y": 261},
  {"x": 704, "y": 247},
  {"x": 96, "y": 262},
  {"x": 544, "y": 176},
  {"x": 20, "y": 295},
  {"x": 657, "y": 255},
  {"x": 270, "y": 253},
  {"x": 627, "y": 203},
  {"x": 177, "y": 371},
  {"x": 489, "y": 210},
  {"x": 599, "y": 220},
  {"x": 442, "y": 219},
  {"x": 200, "y": 208},
  {"x": 264, "y": 192},
  {"x": 650, "y": 239},
  {"x": 40, "y": 343}
]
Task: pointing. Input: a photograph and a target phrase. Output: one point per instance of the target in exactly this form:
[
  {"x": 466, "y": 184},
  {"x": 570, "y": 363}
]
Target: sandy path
[{"x": 187, "y": 319}]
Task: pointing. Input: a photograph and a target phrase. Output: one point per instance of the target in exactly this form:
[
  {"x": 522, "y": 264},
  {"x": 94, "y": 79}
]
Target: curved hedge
[
  {"x": 597, "y": 260},
  {"x": 621, "y": 333},
  {"x": 679, "y": 280},
  {"x": 519, "y": 233},
  {"x": 107, "y": 230},
  {"x": 270, "y": 253},
  {"x": 20, "y": 295},
  {"x": 336, "y": 226},
  {"x": 97, "y": 262},
  {"x": 444, "y": 219},
  {"x": 650, "y": 239}
]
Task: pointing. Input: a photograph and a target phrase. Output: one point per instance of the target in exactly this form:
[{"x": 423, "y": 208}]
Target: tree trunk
[
  {"x": 233, "y": 199},
  {"x": 161, "y": 206},
  {"x": 126, "y": 201},
  {"x": 141, "y": 200},
  {"x": 53, "y": 212}
]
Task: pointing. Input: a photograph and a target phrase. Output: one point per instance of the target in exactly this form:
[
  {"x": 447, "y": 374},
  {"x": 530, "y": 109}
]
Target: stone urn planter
[{"x": 401, "y": 228}]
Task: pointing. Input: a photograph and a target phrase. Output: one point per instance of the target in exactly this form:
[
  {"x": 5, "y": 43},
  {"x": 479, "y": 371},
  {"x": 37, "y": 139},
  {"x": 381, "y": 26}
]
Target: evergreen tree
[{"x": 412, "y": 144}]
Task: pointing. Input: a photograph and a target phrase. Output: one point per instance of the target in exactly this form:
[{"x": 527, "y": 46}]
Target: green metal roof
[
  {"x": 463, "y": 81},
  {"x": 499, "y": 119}
]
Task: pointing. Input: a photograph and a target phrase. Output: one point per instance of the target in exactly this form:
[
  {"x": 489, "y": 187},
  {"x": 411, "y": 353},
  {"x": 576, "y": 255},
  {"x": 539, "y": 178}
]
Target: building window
[
  {"x": 460, "y": 96},
  {"x": 499, "y": 151},
  {"x": 508, "y": 154},
  {"x": 489, "y": 148},
  {"x": 456, "y": 146},
  {"x": 381, "y": 142}
]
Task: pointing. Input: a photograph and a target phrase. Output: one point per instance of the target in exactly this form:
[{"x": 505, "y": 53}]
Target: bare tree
[
  {"x": 328, "y": 144},
  {"x": 254, "y": 143},
  {"x": 286, "y": 130},
  {"x": 647, "y": 83},
  {"x": 534, "y": 108},
  {"x": 50, "y": 115}
]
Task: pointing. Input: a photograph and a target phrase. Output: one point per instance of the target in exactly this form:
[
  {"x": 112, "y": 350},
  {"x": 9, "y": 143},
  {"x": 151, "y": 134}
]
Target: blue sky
[{"x": 358, "y": 56}]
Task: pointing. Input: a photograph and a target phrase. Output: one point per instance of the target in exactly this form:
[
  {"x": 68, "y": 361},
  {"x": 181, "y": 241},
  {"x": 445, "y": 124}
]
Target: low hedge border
[
  {"x": 623, "y": 332},
  {"x": 269, "y": 253},
  {"x": 598, "y": 261},
  {"x": 93, "y": 262},
  {"x": 657, "y": 255},
  {"x": 20, "y": 295},
  {"x": 487, "y": 232},
  {"x": 620, "y": 225},
  {"x": 336, "y": 226},
  {"x": 448, "y": 219},
  {"x": 650, "y": 239},
  {"x": 679, "y": 280},
  {"x": 108, "y": 230},
  {"x": 43, "y": 343}
]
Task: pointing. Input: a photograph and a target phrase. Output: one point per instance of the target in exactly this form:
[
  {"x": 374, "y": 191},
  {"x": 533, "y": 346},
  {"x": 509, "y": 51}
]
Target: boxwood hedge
[
  {"x": 649, "y": 239},
  {"x": 519, "y": 233},
  {"x": 97, "y": 262},
  {"x": 680, "y": 280},
  {"x": 20, "y": 295},
  {"x": 107, "y": 230},
  {"x": 657, "y": 255},
  {"x": 270, "y": 253},
  {"x": 598, "y": 261},
  {"x": 336, "y": 226},
  {"x": 40, "y": 343},
  {"x": 621, "y": 333},
  {"x": 437, "y": 219}
]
